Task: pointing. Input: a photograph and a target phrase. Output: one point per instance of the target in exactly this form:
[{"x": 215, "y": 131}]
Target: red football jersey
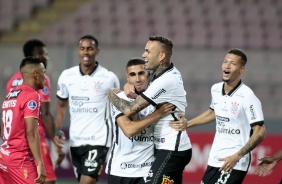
[
  {"x": 44, "y": 95},
  {"x": 22, "y": 102}
]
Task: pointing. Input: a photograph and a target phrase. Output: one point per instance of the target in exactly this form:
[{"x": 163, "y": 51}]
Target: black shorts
[
  {"x": 88, "y": 160},
  {"x": 168, "y": 166},
  {"x": 213, "y": 175},
  {"x": 124, "y": 180}
]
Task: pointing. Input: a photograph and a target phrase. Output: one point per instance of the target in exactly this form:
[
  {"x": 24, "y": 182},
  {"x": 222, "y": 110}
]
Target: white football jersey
[
  {"x": 235, "y": 113},
  {"x": 88, "y": 104},
  {"x": 168, "y": 87},
  {"x": 131, "y": 157}
]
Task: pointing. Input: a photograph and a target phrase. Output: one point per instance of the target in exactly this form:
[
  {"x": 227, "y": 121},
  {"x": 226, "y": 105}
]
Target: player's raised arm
[{"x": 128, "y": 108}]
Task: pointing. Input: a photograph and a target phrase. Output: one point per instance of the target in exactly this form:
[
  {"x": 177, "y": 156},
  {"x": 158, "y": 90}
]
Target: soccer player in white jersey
[
  {"x": 132, "y": 152},
  {"x": 84, "y": 89},
  {"x": 173, "y": 148},
  {"x": 239, "y": 123}
]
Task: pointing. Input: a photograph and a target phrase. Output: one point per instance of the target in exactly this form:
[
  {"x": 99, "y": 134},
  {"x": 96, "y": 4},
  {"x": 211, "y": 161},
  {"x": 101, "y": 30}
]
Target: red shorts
[
  {"x": 24, "y": 175},
  {"x": 48, "y": 164}
]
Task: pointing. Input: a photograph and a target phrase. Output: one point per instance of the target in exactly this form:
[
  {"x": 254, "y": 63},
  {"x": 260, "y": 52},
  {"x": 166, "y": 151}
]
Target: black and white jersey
[
  {"x": 131, "y": 157},
  {"x": 235, "y": 113},
  {"x": 88, "y": 104},
  {"x": 168, "y": 87}
]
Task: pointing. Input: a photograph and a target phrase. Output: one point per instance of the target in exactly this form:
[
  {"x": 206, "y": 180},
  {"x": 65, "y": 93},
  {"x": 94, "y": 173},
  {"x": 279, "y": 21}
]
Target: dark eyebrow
[{"x": 132, "y": 73}]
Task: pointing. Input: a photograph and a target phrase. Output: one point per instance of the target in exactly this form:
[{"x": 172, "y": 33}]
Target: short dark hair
[
  {"x": 166, "y": 42},
  {"x": 91, "y": 38},
  {"x": 29, "y": 46},
  {"x": 135, "y": 61},
  {"x": 29, "y": 60},
  {"x": 240, "y": 53}
]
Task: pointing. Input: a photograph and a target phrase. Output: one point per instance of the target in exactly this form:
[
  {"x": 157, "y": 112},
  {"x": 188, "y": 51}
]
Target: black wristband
[{"x": 58, "y": 132}]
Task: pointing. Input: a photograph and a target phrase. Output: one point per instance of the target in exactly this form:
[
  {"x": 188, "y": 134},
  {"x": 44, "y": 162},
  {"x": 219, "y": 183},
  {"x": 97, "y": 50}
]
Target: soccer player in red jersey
[
  {"x": 38, "y": 49},
  {"x": 20, "y": 157}
]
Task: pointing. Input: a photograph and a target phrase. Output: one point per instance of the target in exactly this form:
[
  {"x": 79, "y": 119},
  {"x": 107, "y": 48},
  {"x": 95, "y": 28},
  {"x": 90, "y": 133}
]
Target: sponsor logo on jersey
[
  {"x": 142, "y": 138},
  {"x": 32, "y": 105},
  {"x": 9, "y": 104},
  {"x": 17, "y": 82},
  {"x": 159, "y": 140},
  {"x": 158, "y": 93},
  {"x": 83, "y": 138},
  {"x": 45, "y": 90},
  {"x": 84, "y": 110},
  {"x": 124, "y": 165},
  {"x": 253, "y": 113},
  {"x": 234, "y": 108},
  {"x": 223, "y": 130},
  {"x": 79, "y": 98},
  {"x": 98, "y": 86},
  {"x": 13, "y": 94},
  {"x": 220, "y": 118}
]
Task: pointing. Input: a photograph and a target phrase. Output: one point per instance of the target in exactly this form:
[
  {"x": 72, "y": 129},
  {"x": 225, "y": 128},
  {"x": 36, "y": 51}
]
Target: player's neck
[
  {"x": 229, "y": 86},
  {"x": 162, "y": 67},
  {"x": 31, "y": 84},
  {"x": 86, "y": 70}
]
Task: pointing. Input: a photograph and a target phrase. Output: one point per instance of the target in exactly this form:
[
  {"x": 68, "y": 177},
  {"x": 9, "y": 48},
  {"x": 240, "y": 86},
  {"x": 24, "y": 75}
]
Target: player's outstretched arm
[
  {"x": 206, "y": 117},
  {"x": 131, "y": 128},
  {"x": 256, "y": 138},
  {"x": 268, "y": 163},
  {"x": 48, "y": 119},
  {"x": 60, "y": 115},
  {"x": 127, "y": 108},
  {"x": 31, "y": 124}
]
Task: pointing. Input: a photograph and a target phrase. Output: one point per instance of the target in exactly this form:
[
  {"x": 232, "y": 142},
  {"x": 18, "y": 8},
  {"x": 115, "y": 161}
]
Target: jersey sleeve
[
  {"x": 253, "y": 110},
  {"x": 45, "y": 92},
  {"x": 212, "y": 104},
  {"x": 31, "y": 105},
  {"x": 115, "y": 81},
  {"x": 158, "y": 92},
  {"x": 62, "y": 90}
]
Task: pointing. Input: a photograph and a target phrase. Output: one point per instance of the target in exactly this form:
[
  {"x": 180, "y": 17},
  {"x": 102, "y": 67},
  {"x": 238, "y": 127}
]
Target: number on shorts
[
  {"x": 223, "y": 178},
  {"x": 92, "y": 154}
]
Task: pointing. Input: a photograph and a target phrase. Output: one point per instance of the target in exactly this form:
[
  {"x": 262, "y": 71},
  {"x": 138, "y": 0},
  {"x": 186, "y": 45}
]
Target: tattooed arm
[
  {"x": 126, "y": 107},
  {"x": 255, "y": 139}
]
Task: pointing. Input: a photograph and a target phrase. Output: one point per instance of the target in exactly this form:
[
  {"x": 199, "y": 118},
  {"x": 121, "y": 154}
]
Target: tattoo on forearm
[
  {"x": 251, "y": 144},
  {"x": 122, "y": 104}
]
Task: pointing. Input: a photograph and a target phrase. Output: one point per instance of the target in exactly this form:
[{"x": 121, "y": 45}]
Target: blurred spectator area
[
  {"x": 14, "y": 11},
  {"x": 190, "y": 23}
]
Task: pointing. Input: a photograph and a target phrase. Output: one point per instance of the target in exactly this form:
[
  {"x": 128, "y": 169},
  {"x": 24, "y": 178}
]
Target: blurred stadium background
[{"x": 202, "y": 31}]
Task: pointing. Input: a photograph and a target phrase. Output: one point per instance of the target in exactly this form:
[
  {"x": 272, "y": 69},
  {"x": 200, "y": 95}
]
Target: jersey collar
[
  {"x": 96, "y": 66},
  {"x": 165, "y": 70},
  {"x": 232, "y": 91}
]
